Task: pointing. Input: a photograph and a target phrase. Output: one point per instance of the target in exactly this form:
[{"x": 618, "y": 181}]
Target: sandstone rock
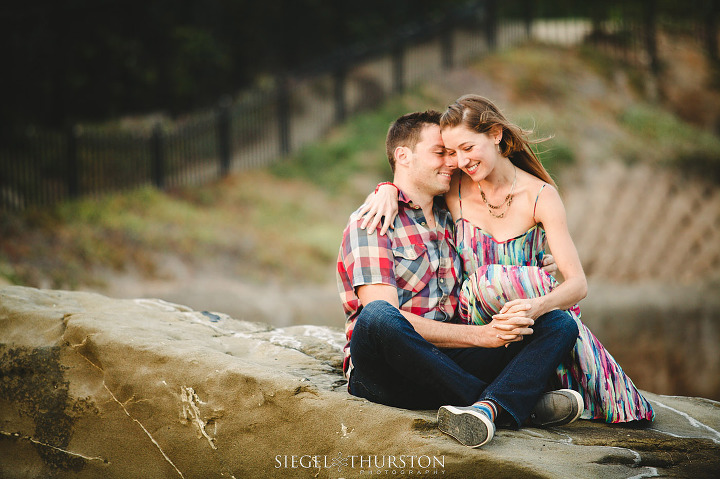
[{"x": 92, "y": 387}]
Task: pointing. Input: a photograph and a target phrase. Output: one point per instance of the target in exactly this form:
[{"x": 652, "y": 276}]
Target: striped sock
[{"x": 488, "y": 408}]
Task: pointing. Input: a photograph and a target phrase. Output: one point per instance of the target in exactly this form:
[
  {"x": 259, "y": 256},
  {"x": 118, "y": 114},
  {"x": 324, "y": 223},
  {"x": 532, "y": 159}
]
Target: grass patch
[
  {"x": 285, "y": 223},
  {"x": 61, "y": 247},
  {"x": 664, "y": 138},
  {"x": 554, "y": 151},
  {"x": 537, "y": 72},
  {"x": 555, "y": 155},
  {"x": 255, "y": 226},
  {"x": 607, "y": 66},
  {"x": 358, "y": 146}
]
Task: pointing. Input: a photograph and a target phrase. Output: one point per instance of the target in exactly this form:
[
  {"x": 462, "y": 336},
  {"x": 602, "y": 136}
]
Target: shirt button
[
  {"x": 442, "y": 280},
  {"x": 423, "y": 223}
]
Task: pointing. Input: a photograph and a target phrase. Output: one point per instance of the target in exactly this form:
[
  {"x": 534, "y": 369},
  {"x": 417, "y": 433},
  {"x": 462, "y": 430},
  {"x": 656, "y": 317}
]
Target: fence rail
[{"x": 266, "y": 123}]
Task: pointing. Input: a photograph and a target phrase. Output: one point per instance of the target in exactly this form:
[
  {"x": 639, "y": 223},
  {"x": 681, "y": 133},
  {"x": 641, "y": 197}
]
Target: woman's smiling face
[{"x": 476, "y": 153}]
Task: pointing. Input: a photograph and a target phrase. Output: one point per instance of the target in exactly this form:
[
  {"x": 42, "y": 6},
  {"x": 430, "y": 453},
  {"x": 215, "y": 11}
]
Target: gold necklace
[{"x": 508, "y": 198}]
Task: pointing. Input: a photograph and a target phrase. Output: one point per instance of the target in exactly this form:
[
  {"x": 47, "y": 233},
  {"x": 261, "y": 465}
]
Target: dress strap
[
  {"x": 461, "y": 237},
  {"x": 460, "y": 196},
  {"x": 536, "y": 199}
]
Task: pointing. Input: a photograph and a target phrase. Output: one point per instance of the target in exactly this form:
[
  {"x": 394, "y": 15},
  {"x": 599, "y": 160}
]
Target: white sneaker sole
[
  {"x": 470, "y": 428},
  {"x": 580, "y": 403}
]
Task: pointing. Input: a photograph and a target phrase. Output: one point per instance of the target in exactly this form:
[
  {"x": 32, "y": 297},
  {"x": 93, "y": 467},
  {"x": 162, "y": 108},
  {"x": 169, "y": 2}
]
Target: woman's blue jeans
[{"x": 395, "y": 366}]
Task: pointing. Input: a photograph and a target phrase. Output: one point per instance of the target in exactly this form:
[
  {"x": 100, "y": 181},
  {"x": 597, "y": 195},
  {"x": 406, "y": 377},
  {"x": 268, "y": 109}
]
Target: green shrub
[
  {"x": 358, "y": 146},
  {"x": 666, "y": 139}
]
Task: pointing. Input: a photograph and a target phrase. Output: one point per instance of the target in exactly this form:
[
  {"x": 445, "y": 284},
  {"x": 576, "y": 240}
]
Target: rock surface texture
[{"x": 92, "y": 387}]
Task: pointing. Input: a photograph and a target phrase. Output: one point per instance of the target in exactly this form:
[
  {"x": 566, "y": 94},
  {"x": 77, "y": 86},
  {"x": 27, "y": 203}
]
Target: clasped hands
[{"x": 514, "y": 321}]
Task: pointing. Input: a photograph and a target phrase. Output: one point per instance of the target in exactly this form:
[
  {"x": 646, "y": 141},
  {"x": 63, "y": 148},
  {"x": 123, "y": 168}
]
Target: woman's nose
[{"x": 462, "y": 160}]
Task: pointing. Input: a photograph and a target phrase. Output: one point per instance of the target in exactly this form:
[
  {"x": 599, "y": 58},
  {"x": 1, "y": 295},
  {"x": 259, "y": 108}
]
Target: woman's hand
[
  {"x": 380, "y": 206},
  {"x": 510, "y": 328},
  {"x": 530, "y": 308}
]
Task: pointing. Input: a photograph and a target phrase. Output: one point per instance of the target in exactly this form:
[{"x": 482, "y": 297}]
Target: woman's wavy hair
[{"x": 479, "y": 114}]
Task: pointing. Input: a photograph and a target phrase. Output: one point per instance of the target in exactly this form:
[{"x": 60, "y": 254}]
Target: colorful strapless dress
[{"x": 497, "y": 272}]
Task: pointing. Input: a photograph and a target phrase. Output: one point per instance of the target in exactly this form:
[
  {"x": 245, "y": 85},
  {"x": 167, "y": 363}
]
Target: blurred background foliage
[
  {"x": 88, "y": 60},
  {"x": 84, "y": 60},
  {"x": 80, "y": 61}
]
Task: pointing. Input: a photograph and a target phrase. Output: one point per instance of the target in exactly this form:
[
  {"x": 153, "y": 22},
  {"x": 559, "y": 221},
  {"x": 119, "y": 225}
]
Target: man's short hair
[{"x": 405, "y": 131}]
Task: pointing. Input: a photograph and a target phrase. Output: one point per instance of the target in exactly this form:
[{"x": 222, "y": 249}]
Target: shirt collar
[
  {"x": 403, "y": 198},
  {"x": 438, "y": 201}
]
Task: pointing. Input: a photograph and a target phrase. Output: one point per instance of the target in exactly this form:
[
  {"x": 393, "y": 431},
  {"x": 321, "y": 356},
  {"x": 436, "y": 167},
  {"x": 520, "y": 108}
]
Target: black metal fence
[{"x": 271, "y": 121}]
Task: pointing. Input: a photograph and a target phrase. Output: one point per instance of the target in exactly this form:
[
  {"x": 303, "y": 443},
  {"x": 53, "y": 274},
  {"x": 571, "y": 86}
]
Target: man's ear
[{"x": 402, "y": 155}]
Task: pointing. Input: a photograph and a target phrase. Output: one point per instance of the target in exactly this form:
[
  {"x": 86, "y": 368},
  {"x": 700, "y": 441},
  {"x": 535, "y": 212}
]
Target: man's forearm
[{"x": 448, "y": 335}]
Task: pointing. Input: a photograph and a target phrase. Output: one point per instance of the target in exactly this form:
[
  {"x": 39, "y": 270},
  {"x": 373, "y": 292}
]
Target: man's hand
[
  {"x": 549, "y": 265},
  {"x": 509, "y": 327}
]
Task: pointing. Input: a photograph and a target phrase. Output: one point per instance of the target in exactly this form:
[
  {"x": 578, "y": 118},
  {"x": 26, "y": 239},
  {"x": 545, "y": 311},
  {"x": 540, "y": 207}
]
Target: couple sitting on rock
[{"x": 451, "y": 304}]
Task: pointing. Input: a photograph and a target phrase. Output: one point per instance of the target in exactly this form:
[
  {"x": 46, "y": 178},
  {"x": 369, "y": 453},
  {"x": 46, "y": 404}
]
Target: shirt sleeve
[{"x": 368, "y": 258}]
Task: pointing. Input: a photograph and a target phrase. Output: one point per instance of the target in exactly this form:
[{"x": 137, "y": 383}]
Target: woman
[{"x": 506, "y": 210}]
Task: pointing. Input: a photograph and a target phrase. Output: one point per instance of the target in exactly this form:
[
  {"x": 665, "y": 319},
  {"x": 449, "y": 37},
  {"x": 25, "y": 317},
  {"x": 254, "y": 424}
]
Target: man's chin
[{"x": 441, "y": 190}]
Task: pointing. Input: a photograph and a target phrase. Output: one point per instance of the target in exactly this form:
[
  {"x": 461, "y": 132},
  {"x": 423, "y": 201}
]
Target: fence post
[
  {"x": 72, "y": 135},
  {"x": 491, "y": 24},
  {"x": 340, "y": 77},
  {"x": 529, "y": 17},
  {"x": 398, "y": 67},
  {"x": 711, "y": 43},
  {"x": 651, "y": 35},
  {"x": 158, "y": 156},
  {"x": 223, "y": 130},
  {"x": 447, "y": 42},
  {"x": 283, "y": 114},
  {"x": 597, "y": 17}
]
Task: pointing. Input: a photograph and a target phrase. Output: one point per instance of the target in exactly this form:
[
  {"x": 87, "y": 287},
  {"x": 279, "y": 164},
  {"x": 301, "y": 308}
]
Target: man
[{"x": 400, "y": 295}]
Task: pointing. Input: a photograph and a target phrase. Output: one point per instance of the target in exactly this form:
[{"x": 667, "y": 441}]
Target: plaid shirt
[{"x": 421, "y": 263}]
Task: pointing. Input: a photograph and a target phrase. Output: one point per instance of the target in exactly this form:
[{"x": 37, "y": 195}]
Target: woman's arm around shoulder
[{"x": 380, "y": 207}]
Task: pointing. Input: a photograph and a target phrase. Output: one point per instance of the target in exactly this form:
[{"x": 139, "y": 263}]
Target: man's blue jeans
[{"x": 395, "y": 366}]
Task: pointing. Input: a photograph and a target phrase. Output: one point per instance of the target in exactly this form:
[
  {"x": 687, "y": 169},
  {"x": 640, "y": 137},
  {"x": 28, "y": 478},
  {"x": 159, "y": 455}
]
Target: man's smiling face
[{"x": 432, "y": 167}]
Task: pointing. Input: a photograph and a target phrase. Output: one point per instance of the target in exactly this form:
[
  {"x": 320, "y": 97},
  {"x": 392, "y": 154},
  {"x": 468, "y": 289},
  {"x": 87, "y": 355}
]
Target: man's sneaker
[
  {"x": 557, "y": 408},
  {"x": 468, "y": 425}
]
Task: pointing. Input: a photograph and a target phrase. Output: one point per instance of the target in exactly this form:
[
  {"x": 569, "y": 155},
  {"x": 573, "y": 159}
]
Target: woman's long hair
[{"x": 479, "y": 114}]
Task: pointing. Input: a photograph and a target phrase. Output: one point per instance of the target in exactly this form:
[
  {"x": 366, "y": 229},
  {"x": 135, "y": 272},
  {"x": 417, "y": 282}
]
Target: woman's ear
[{"x": 496, "y": 133}]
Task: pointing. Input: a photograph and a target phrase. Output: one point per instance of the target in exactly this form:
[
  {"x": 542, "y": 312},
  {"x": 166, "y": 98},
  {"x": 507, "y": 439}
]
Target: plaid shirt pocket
[{"x": 412, "y": 267}]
